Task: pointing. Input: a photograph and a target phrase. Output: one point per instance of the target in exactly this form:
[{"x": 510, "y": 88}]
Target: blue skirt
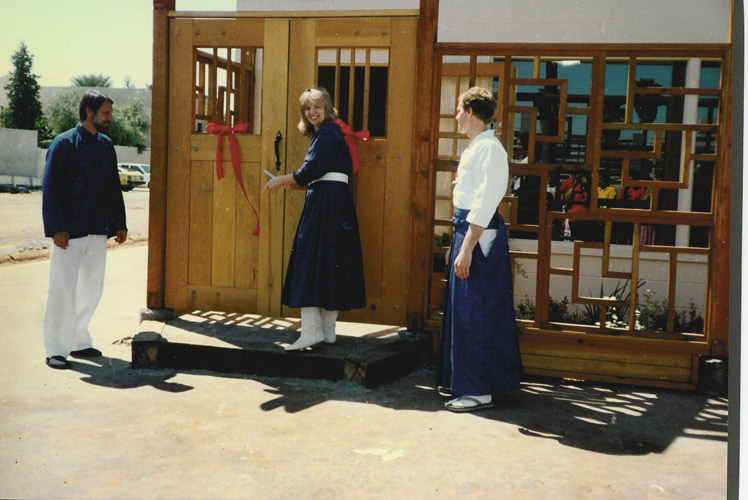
[
  {"x": 478, "y": 345},
  {"x": 325, "y": 268}
]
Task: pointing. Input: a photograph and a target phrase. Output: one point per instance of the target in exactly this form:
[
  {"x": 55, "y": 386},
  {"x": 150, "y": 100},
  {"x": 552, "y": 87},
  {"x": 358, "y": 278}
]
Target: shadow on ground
[
  {"x": 601, "y": 418},
  {"x": 116, "y": 374}
]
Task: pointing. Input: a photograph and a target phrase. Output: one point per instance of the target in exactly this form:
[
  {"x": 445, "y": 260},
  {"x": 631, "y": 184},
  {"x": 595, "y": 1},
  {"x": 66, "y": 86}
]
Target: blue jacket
[{"x": 81, "y": 189}]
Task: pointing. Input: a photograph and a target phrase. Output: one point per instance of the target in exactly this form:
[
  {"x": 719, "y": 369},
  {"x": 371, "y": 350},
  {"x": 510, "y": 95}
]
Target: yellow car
[{"x": 129, "y": 180}]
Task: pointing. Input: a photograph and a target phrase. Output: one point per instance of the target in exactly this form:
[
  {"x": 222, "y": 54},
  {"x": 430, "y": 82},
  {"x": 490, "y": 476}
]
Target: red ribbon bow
[
  {"x": 214, "y": 128},
  {"x": 350, "y": 137}
]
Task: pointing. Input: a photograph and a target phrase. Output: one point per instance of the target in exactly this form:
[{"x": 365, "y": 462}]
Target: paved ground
[
  {"x": 22, "y": 231},
  {"x": 102, "y": 430}
]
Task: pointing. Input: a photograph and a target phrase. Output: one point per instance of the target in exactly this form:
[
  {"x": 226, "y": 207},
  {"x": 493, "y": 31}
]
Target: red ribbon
[
  {"x": 214, "y": 128},
  {"x": 350, "y": 137}
]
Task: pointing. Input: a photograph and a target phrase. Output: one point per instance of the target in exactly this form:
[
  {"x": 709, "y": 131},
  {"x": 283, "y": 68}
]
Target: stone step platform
[{"x": 252, "y": 344}]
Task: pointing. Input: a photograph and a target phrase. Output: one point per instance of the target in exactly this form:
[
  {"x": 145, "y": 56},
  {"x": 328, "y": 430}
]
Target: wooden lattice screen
[{"x": 649, "y": 121}]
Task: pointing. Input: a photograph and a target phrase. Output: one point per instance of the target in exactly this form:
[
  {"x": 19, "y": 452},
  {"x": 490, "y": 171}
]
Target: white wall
[
  {"x": 551, "y": 21},
  {"x": 653, "y": 269},
  {"x": 18, "y": 156},
  {"x": 130, "y": 154},
  {"x": 584, "y": 21}
]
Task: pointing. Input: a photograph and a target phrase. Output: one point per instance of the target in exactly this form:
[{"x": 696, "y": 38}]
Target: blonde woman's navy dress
[{"x": 325, "y": 268}]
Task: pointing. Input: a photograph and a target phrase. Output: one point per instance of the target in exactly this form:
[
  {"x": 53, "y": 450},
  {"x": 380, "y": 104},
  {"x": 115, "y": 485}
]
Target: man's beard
[{"x": 100, "y": 126}]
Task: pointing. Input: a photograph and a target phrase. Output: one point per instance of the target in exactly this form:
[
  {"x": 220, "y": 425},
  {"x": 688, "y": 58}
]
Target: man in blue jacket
[{"x": 82, "y": 207}]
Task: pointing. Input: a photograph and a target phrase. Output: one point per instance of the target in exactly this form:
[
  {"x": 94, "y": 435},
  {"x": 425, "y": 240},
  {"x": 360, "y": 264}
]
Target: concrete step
[{"x": 252, "y": 344}]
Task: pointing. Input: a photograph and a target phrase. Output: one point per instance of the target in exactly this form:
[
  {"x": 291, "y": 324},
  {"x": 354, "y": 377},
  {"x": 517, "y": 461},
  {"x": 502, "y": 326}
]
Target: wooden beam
[
  {"x": 292, "y": 13},
  {"x": 717, "y": 321},
  {"x": 422, "y": 173},
  {"x": 159, "y": 134}
]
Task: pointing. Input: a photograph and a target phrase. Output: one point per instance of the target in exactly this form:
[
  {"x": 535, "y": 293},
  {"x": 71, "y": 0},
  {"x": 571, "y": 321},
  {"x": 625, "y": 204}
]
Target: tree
[
  {"x": 63, "y": 110},
  {"x": 130, "y": 126},
  {"x": 91, "y": 80},
  {"x": 24, "y": 110}
]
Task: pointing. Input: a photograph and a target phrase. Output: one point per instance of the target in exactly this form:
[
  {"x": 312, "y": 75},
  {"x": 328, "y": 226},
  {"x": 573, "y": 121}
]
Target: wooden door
[
  {"x": 212, "y": 260},
  {"x": 368, "y": 66},
  {"x": 227, "y": 72}
]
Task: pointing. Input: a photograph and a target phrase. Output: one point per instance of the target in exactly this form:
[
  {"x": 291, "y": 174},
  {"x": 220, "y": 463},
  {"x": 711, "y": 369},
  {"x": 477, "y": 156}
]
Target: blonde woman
[{"x": 325, "y": 269}]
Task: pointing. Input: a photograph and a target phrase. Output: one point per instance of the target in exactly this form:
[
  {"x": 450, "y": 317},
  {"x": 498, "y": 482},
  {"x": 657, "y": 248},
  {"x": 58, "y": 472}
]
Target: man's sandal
[
  {"x": 477, "y": 405},
  {"x": 58, "y": 363}
]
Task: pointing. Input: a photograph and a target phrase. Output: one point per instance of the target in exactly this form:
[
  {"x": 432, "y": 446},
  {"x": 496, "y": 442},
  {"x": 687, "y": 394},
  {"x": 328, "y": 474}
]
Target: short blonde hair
[{"x": 316, "y": 95}]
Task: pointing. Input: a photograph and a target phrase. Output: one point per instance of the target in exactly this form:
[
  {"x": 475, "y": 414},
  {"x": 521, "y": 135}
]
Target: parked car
[
  {"x": 140, "y": 168},
  {"x": 129, "y": 179}
]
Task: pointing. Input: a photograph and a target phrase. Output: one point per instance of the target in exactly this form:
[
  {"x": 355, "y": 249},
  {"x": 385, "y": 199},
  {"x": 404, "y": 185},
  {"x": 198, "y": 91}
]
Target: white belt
[{"x": 332, "y": 176}]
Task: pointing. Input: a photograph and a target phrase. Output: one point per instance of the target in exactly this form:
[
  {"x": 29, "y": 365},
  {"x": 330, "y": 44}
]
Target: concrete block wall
[
  {"x": 20, "y": 162},
  {"x": 130, "y": 154}
]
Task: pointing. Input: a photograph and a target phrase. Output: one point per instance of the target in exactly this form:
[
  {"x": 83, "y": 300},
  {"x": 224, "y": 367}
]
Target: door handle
[{"x": 278, "y": 139}]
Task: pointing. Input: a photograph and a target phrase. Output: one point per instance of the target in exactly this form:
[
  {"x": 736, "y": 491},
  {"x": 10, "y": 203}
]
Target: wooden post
[
  {"x": 419, "y": 266},
  {"x": 159, "y": 120},
  {"x": 718, "y": 289}
]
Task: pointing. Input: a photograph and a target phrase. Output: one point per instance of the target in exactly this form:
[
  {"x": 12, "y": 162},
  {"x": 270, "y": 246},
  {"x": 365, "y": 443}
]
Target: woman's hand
[
  {"x": 283, "y": 181},
  {"x": 462, "y": 264}
]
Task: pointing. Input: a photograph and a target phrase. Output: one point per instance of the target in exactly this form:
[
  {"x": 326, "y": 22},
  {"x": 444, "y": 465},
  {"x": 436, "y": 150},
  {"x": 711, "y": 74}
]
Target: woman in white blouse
[{"x": 479, "y": 353}]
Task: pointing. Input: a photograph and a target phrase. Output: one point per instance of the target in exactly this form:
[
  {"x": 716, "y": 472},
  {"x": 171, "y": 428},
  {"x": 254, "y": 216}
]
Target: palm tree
[{"x": 91, "y": 81}]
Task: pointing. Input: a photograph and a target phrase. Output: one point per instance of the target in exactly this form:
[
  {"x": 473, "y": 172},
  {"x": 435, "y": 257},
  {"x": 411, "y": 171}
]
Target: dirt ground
[{"x": 22, "y": 231}]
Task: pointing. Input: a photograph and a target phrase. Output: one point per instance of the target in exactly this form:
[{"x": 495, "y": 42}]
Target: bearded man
[{"x": 82, "y": 206}]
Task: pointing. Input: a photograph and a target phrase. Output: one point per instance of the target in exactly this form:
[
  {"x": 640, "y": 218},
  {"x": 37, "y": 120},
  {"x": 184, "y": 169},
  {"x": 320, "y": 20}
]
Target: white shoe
[
  {"x": 311, "y": 329},
  {"x": 306, "y": 340}
]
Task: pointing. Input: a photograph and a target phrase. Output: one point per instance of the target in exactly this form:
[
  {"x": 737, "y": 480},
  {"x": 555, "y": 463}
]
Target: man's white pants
[{"x": 76, "y": 282}]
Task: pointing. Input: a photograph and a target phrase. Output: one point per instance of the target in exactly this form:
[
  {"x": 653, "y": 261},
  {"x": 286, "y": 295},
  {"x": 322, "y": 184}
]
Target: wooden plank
[
  {"x": 670, "y": 50},
  {"x": 422, "y": 174},
  {"x": 224, "y": 299},
  {"x": 482, "y": 69},
  {"x": 229, "y": 33},
  {"x": 607, "y": 353},
  {"x": 208, "y": 14},
  {"x": 585, "y": 368},
  {"x": 302, "y": 75},
  {"x": 247, "y": 245},
  {"x": 665, "y": 384},
  {"x": 224, "y": 229},
  {"x": 676, "y": 91},
  {"x": 671, "y": 284},
  {"x": 155, "y": 287},
  {"x": 201, "y": 222},
  {"x": 630, "y": 86},
  {"x": 178, "y": 178},
  {"x": 633, "y": 284},
  {"x": 213, "y": 87},
  {"x": 371, "y": 210},
  {"x": 367, "y": 77},
  {"x": 401, "y": 96},
  {"x": 356, "y": 32},
  {"x": 669, "y": 127},
  {"x": 719, "y": 271},
  {"x": 204, "y": 148},
  {"x": 274, "y": 106}
]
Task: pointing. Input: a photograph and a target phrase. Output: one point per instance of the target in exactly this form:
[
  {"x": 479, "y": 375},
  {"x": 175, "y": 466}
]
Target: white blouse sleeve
[{"x": 492, "y": 177}]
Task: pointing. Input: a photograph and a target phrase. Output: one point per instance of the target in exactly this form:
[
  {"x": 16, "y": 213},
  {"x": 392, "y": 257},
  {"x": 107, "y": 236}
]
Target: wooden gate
[{"x": 250, "y": 70}]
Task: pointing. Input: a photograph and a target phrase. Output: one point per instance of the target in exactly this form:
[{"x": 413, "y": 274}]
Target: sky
[{"x": 69, "y": 38}]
